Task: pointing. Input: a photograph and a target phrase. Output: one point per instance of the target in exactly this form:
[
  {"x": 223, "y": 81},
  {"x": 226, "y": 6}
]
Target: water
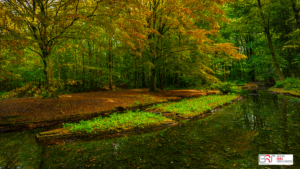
[{"x": 230, "y": 138}]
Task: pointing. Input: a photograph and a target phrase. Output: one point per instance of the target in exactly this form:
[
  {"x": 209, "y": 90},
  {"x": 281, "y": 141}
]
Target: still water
[{"x": 229, "y": 138}]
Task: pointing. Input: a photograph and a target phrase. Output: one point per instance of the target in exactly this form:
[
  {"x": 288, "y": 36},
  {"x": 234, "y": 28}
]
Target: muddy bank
[
  {"x": 8, "y": 126},
  {"x": 62, "y": 135}
]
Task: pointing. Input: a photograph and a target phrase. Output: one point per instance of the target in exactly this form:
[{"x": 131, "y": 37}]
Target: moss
[
  {"x": 285, "y": 91},
  {"x": 125, "y": 121},
  {"x": 194, "y": 107}
]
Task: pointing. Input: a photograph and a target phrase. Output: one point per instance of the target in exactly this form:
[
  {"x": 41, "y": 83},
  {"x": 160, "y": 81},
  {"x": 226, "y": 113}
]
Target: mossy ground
[
  {"x": 194, "y": 107},
  {"x": 139, "y": 120},
  {"x": 124, "y": 121},
  {"x": 285, "y": 91}
]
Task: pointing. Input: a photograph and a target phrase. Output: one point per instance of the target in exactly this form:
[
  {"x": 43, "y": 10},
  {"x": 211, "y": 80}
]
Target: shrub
[
  {"x": 226, "y": 87},
  {"x": 279, "y": 84},
  {"x": 289, "y": 83}
]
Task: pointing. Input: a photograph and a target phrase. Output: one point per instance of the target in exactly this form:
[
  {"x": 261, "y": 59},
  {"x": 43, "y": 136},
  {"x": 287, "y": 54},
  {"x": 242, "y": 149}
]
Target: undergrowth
[
  {"x": 196, "y": 106},
  {"x": 226, "y": 87},
  {"x": 117, "y": 121},
  {"x": 289, "y": 84}
]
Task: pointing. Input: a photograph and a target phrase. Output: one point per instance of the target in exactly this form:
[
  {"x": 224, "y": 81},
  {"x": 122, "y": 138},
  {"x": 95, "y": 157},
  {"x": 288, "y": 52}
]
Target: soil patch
[{"x": 29, "y": 113}]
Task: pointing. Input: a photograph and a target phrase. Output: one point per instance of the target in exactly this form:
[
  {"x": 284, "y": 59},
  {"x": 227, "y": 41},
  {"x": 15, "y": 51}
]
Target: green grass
[
  {"x": 117, "y": 121},
  {"x": 136, "y": 103},
  {"x": 193, "y": 107},
  {"x": 289, "y": 83},
  {"x": 282, "y": 90}
]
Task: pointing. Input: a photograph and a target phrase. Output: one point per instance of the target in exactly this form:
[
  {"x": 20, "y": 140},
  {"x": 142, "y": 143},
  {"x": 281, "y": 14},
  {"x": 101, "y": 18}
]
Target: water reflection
[{"x": 230, "y": 138}]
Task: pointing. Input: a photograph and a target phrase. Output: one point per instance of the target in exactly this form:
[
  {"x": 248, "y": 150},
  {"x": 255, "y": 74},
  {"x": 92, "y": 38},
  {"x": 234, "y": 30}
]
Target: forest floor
[
  {"x": 284, "y": 91},
  {"x": 22, "y": 110}
]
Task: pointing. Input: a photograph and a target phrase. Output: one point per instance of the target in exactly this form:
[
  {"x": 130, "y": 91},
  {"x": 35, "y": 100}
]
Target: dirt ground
[{"x": 38, "y": 109}]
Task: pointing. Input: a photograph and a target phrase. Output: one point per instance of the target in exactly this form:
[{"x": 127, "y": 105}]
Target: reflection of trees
[
  {"x": 258, "y": 102},
  {"x": 284, "y": 124},
  {"x": 222, "y": 138}
]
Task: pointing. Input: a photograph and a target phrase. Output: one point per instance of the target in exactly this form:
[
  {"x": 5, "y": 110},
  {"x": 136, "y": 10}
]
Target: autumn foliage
[{"x": 71, "y": 40}]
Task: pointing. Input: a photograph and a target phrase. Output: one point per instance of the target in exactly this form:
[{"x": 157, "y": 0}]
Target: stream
[{"x": 232, "y": 137}]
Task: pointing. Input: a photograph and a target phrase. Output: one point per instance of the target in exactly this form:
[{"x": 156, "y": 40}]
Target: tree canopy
[{"x": 73, "y": 45}]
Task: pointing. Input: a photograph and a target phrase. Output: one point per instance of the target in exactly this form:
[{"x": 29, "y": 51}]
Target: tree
[
  {"x": 43, "y": 24},
  {"x": 191, "y": 21}
]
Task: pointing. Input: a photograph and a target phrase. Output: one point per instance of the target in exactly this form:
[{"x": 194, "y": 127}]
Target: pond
[{"x": 229, "y": 138}]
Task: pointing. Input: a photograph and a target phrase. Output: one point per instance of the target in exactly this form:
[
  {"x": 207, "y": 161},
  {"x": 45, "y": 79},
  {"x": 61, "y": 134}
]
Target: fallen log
[{"x": 62, "y": 135}]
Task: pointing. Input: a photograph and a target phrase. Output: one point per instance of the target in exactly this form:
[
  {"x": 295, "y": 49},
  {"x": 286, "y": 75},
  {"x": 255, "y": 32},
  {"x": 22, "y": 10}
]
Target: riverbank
[
  {"x": 30, "y": 113},
  {"x": 117, "y": 125},
  {"x": 230, "y": 135},
  {"x": 295, "y": 93},
  {"x": 187, "y": 109}
]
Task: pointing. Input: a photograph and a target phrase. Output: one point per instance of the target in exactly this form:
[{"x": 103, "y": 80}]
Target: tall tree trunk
[
  {"x": 267, "y": 31},
  {"x": 162, "y": 79},
  {"x": 275, "y": 62},
  {"x": 177, "y": 78},
  {"x": 144, "y": 78},
  {"x": 296, "y": 13},
  {"x": 90, "y": 64},
  {"x": 152, "y": 84},
  {"x": 224, "y": 73},
  {"x": 1, "y": 59},
  {"x": 170, "y": 78},
  {"x": 110, "y": 65},
  {"x": 96, "y": 70},
  {"x": 253, "y": 65},
  {"x": 83, "y": 70},
  {"x": 284, "y": 124},
  {"x": 135, "y": 74},
  {"x": 48, "y": 67},
  {"x": 59, "y": 68}
]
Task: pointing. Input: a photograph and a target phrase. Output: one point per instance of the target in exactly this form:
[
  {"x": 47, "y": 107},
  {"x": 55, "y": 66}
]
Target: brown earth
[{"x": 37, "y": 109}]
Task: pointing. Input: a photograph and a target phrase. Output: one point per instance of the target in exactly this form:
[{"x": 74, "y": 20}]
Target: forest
[
  {"x": 149, "y": 83},
  {"x": 57, "y": 47}
]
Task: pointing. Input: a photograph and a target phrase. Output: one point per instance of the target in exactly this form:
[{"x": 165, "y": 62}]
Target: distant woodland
[{"x": 49, "y": 47}]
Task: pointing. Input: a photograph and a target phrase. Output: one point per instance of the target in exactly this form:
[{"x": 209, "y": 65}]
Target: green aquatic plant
[
  {"x": 116, "y": 121},
  {"x": 196, "y": 106},
  {"x": 225, "y": 87}
]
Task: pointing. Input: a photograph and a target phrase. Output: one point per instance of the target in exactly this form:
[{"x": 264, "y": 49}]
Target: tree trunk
[
  {"x": 110, "y": 65},
  {"x": 224, "y": 73},
  {"x": 48, "y": 68},
  {"x": 144, "y": 78},
  {"x": 284, "y": 124},
  {"x": 274, "y": 56},
  {"x": 267, "y": 31},
  {"x": 296, "y": 13},
  {"x": 170, "y": 78},
  {"x": 177, "y": 78},
  {"x": 83, "y": 70},
  {"x": 96, "y": 71},
  {"x": 135, "y": 74},
  {"x": 152, "y": 84},
  {"x": 162, "y": 79},
  {"x": 90, "y": 65}
]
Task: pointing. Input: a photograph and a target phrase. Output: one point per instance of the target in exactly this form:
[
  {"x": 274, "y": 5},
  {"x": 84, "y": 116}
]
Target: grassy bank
[
  {"x": 124, "y": 121},
  {"x": 288, "y": 86},
  {"x": 117, "y": 125},
  {"x": 285, "y": 91},
  {"x": 194, "y": 107}
]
